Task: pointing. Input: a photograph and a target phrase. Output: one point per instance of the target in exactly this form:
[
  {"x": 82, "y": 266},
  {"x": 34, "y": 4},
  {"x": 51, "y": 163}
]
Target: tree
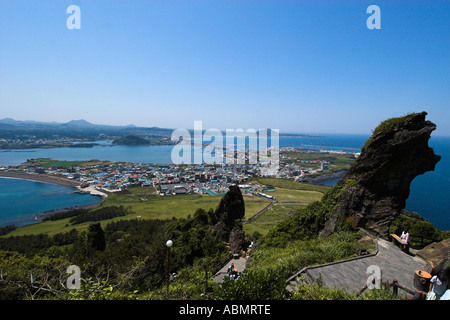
[
  {"x": 424, "y": 230},
  {"x": 96, "y": 237}
]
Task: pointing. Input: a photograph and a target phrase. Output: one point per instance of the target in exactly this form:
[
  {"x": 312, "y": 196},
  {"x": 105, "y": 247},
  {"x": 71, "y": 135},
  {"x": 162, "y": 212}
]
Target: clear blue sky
[{"x": 297, "y": 66}]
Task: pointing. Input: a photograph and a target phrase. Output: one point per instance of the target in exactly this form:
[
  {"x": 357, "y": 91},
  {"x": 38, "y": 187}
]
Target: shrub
[
  {"x": 255, "y": 285},
  {"x": 306, "y": 223}
]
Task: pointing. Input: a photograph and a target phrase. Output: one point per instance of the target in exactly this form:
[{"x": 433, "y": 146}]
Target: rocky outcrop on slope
[
  {"x": 230, "y": 212},
  {"x": 438, "y": 253},
  {"x": 376, "y": 187}
]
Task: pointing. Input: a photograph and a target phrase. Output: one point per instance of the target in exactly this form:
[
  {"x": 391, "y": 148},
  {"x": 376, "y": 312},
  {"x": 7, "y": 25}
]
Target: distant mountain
[
  {"x": 8, "y": 121},
  {"x": 13, "y": 122},
  {"x": 78, "y": 123},
  {"x": 77, "y": 129}
]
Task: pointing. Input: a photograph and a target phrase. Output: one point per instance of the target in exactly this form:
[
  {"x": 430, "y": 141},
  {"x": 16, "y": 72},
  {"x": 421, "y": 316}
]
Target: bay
[{"x": 23, "y": 201}]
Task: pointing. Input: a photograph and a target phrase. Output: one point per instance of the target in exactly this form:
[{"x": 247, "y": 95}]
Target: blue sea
[
  {"x": 428, "y": 197},
  {"x": 23, "y": 201}
]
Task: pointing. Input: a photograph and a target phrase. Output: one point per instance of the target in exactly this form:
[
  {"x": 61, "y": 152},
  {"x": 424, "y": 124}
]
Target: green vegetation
[
  {"x": 150, "y": 206},
  {"x": 132, "y": 140},
  {"x": 297, "y": 254},
  {"x": 307, "y": 222},
  {"x": 318, "y": 291},
  {"x": 120, "y": 248},
  {"x": 390, "y": 123},
  {"x": 270, "y": 218},
  {"x": 142, "y": 203},
  {"x": 387, "y": 125},
  {"x": 119, "y": 257},
  {"x": 303, "y": 196},
  {"x": 266, "y": 277},
  {"x": 63, "y": 164},
  {"x": 421, "y": 232},
  {"x": 290, "y": 184},
  {"x": 337, "y": 162},
  {"x": 100, "y": 214}
]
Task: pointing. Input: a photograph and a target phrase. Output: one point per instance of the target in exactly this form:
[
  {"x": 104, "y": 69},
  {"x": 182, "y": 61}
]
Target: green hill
[{"x": 132, "y": 140}]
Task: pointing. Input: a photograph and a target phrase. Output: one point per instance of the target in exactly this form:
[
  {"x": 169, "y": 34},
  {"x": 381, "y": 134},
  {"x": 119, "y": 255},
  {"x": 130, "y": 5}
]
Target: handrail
[{"x": 395, "y": 286}]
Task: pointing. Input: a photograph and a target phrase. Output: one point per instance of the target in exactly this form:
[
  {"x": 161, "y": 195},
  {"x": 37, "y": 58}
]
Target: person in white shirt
[
  {"x": 405, "y": 237},
  {"x": 438, "y": 285}
]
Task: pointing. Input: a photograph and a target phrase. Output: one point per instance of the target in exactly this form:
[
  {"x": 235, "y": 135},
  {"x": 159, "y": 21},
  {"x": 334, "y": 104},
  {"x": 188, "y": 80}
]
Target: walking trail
[
  {"x": 352, "y": 274},
  {"x": 239, "y": 264}
]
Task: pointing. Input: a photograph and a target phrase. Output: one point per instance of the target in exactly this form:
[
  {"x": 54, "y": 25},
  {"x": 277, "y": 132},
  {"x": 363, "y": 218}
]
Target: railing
[
  {"x": 394, "y": 284},
  {"x": 374, "y": 253}
]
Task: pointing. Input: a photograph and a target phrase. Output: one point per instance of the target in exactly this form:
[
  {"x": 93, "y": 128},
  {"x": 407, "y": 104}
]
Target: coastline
[
  {"x": 55, "y": 180},
  {"x": 40, "y": 178},
  {"x": 39, "y": 216},
  {"x": 319, "y": 180},
  {"x": 48, "y": 213}
]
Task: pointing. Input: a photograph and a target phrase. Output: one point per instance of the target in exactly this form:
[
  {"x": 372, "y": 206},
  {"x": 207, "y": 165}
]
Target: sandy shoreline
[{"x": 41, "y": 178}]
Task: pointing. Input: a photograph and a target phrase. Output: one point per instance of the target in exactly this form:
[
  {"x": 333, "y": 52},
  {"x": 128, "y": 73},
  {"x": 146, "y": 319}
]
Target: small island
[{"x": 132, "y": 140}]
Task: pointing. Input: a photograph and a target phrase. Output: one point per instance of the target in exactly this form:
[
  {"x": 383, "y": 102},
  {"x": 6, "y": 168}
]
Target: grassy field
[
  {"x": 285, "y": 190},
  {"x": 290, "y": 184},
  {"x": 47, "y": 163},
  {"x": 145, "y": 204},
  {"x": 268, "y": 219},
  {"x": 336, "y": 161},
  {"x": 304, "y": 196}
]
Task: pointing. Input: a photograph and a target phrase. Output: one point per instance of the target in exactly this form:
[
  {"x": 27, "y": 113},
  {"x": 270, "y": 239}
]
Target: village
[{"x": 103, "y": 177}]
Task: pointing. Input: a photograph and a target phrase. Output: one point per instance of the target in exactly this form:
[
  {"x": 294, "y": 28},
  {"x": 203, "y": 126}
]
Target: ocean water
[
  {"x": 22, "y": 201},
  {"x": 430, "y": 192},
  {"x": 428, "y": 196},
  {"x": 139, "y": 154}
]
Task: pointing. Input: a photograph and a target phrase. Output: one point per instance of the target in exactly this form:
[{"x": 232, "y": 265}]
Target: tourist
[
  {"x": 446, "y": 295},
  {"x": 405, "y": 238},
  {"x": 230, "y": 269},
  {"x": 438, "y": 286}
]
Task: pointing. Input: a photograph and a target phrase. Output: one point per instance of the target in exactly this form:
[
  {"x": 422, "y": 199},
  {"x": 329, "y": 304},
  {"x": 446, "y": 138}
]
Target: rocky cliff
[
  {"x": 438, "y": 253},
  {"x": 229, "y": 213},
  {"x": 374, "y": 190}
]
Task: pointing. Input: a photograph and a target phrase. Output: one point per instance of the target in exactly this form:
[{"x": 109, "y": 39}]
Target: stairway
[{"x": 352, "y": 274}]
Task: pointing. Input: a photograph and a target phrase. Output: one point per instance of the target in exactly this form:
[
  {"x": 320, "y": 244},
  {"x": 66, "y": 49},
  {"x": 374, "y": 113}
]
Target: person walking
[{"x": 438, "y": 286}]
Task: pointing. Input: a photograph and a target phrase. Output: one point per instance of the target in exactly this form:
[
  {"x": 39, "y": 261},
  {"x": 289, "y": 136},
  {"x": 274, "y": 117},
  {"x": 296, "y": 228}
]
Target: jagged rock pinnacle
[{"x": 380, "y": 178}]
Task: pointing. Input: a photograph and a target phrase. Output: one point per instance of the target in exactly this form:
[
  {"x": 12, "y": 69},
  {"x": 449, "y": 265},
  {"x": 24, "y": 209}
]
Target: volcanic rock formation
[
  {"x": 375, "y": 189},
  {"x": 229, "y": 213}
]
